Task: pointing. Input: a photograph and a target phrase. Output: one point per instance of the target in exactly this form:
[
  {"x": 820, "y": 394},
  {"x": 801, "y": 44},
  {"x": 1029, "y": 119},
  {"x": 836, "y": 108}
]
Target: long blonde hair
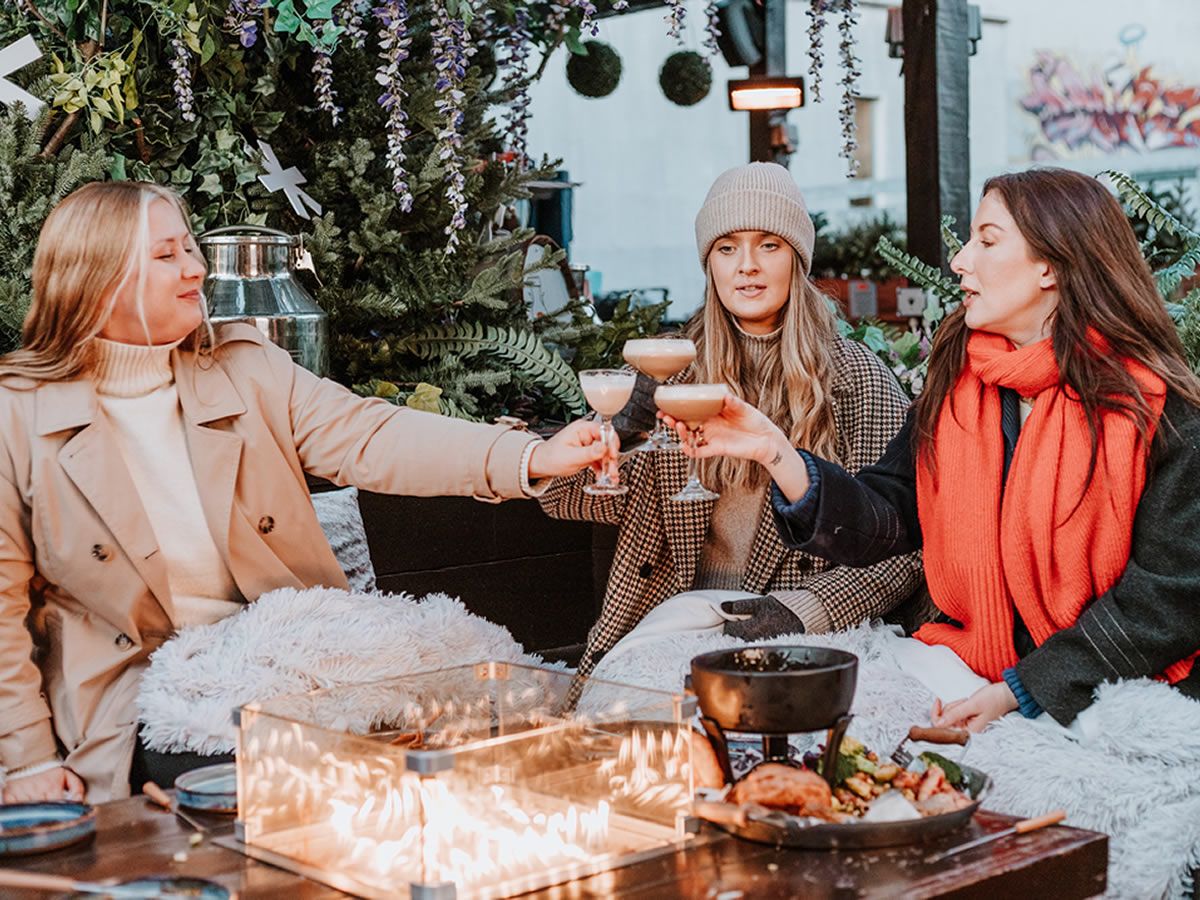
[
  {"x": 792, "y": 386},
  {"x": 93, "y": 243}
]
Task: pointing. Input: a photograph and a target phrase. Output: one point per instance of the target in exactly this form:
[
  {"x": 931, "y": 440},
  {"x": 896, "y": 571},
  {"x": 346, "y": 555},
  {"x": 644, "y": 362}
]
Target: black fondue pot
[{"x": 775, "y": 691}]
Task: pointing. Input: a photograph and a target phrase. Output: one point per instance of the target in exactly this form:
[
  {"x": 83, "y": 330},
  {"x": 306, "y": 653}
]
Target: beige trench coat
[{"x": 77, "y": 547}]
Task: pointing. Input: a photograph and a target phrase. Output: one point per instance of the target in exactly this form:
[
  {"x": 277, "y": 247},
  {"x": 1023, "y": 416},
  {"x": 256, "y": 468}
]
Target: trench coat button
[
  {"x": 646, "y": 570},
  {"x": 102, "y": 553},
  {"x": 123, "y": 642},
  {"x": 266, "y": 524}
]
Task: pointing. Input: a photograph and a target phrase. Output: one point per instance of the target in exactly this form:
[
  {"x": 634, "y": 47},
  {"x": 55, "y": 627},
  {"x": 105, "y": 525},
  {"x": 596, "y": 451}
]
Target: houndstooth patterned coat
[{"x": 660, "y": 541}]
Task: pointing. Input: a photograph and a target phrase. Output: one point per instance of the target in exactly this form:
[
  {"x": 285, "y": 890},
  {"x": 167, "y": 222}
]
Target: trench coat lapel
[
  {"x": 93, "y": 462},
  {"x": 686, "y": 524},
  {"x": 207, "y": 395}
]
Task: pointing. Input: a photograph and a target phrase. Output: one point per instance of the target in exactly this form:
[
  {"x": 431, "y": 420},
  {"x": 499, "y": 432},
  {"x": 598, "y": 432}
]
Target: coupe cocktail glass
[
  {"x": 660, "y": 358},
  {"x": 607, "y": 391},
  {"x": 692, "y": 404}
]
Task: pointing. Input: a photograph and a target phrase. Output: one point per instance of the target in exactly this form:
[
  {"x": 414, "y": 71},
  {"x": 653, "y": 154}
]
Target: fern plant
[
  {"x": 523, "y": 351},
  {"x": 1142, "y": 206}
]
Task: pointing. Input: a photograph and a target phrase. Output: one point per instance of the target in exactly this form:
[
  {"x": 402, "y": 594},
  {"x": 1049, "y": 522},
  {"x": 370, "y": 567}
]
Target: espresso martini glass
[
  {"x": 660, "y": 358},
  {"x": 692, "y": 404},
  {"x": 607, "y": 391}
]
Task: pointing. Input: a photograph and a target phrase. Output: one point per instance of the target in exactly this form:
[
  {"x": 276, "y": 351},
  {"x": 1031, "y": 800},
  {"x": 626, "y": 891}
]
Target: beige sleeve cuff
[
  {"x": 506, "y": 464},
  {"x": 28, "y": 746},
  {"x": 807, "y": 608}
]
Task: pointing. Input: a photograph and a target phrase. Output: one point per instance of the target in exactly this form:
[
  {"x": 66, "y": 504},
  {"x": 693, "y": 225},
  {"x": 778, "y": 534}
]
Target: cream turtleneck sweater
[
  {"x": 735, "y": 519},
  {"x": 136, "y": 389}
]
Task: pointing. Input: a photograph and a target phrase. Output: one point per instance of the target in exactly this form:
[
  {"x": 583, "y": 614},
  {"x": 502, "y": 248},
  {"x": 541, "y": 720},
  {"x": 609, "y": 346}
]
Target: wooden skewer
[{"x": 163, "y": 799}]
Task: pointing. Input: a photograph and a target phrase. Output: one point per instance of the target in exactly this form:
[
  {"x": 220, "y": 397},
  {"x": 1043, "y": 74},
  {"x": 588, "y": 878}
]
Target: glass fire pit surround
[{"x": 473, "y": 781}]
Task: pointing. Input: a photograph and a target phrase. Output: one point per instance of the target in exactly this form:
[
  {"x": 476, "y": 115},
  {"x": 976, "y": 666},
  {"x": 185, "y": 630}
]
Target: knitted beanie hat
[{"x": 756, "y": 197}]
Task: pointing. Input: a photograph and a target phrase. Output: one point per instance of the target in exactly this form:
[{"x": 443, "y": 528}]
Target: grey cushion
[{"x": 341, "y": 520}]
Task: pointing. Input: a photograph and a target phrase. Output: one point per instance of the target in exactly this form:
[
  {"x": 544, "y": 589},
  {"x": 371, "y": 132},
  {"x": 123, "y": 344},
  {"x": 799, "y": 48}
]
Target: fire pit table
[
  {"x": 135, "y": 838},
  {"x": 486, "y": 780}
]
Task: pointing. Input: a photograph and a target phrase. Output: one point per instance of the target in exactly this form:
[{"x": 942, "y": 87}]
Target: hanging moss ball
[
  {"x": 685, "y": 78},
  {"x": 596, "y": 73}
]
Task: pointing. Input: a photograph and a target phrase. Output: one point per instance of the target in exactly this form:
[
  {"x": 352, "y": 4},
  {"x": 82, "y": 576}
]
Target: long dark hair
[{"x": 1071, "y": 221}]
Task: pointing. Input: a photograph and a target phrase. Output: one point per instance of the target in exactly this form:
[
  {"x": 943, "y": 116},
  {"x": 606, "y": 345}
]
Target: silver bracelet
[{"x": 526, "y": 488}]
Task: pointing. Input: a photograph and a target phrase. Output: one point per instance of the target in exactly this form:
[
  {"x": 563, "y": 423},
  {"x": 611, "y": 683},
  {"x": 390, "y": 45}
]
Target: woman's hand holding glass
[
  {"x": 742, "y": 431},
  {"x": 577, "y": 446}
]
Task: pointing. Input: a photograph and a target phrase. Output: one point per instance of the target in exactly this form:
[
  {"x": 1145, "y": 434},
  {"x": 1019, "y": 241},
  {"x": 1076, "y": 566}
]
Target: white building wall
[{"x": 645, "y": 164}]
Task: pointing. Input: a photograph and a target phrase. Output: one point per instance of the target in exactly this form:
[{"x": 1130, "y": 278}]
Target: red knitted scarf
[{"x": 1037, "y": 544}]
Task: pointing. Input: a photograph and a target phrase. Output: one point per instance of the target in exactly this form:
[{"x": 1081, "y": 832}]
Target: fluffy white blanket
[
  {"x": 289, "y": 642},
  {"x": 1135, "y": 777}
]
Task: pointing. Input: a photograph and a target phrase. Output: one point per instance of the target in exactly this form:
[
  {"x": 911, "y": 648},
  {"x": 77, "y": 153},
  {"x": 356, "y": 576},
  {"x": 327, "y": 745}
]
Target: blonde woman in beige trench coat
[{"x": 85, "y": 591}]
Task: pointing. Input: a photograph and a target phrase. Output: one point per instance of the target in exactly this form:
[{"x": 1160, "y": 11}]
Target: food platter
[
  {"x": 27, "y": 828},
  {"x": 797, "y": 831}
]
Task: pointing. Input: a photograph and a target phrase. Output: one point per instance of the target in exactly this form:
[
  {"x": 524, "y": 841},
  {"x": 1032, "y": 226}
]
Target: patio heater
[{"x": 754, "y": 35}]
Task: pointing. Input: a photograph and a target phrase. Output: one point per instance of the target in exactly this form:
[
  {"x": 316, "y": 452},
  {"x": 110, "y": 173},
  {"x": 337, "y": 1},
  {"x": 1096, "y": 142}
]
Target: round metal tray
[
  {"x": 212, "y": 788},
  {"x": 27, "y": 828},
  {"x": 866, "y": 835}
]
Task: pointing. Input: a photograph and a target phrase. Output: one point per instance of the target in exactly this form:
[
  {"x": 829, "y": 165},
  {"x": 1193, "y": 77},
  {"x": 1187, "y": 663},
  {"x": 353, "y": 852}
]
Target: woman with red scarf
[{"x": 1048, "y": 469}]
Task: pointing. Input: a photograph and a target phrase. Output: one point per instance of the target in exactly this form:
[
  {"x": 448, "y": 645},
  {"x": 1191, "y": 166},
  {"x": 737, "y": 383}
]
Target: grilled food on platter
[
  {"x": 800, "y": 792},
  {"x": 862, "y": 783}
]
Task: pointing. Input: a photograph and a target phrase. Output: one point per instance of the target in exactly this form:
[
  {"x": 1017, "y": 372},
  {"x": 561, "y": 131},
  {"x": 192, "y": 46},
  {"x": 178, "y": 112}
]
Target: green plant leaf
[{"x": 425, "y": 397}]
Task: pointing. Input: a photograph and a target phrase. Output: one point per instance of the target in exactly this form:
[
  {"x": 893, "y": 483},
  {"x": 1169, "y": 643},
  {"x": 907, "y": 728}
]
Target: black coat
[{"x": 1149, "y": 619}]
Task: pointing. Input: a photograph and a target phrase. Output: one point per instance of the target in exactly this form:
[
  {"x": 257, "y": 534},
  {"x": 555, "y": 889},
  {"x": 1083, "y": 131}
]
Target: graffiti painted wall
[{"x": 1122, "y": 104}]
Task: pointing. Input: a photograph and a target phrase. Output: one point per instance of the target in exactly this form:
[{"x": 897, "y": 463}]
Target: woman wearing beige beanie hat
[{"x": 767, "y": 332}]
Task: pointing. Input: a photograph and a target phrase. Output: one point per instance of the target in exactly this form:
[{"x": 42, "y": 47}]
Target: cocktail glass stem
[
  {"x": 694, "y": 491},
  {"x": 661, "y": 438},
  {"x": 605, "y": 483}
]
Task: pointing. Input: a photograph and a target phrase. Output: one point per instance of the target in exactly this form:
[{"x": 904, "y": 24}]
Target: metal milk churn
[{"x": 252, "y": 278}]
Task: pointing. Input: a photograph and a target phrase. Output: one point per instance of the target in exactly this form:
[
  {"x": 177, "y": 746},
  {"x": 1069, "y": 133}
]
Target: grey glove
[
  {"x": 638, "y": 416},
  {"x": 768, "y": 618}
]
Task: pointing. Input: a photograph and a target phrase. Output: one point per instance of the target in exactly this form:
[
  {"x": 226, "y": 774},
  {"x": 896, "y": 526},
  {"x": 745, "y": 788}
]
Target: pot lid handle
[{"x": 237, "y": 229}]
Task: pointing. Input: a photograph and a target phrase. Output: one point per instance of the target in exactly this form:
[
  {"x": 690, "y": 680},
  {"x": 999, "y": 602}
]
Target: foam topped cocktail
[
  {"x": 692, "y": 404},
  {"x": 607, "y": 391},
  {"x": 660, "y": 358}
]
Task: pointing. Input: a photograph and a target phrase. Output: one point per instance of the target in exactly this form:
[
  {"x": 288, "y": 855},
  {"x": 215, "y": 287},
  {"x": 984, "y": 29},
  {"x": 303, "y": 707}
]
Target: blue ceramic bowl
[
  {"x": 168, "y": 886},
  {"x": 213, "y": 788},
  {"x": 39, "y": 827}
]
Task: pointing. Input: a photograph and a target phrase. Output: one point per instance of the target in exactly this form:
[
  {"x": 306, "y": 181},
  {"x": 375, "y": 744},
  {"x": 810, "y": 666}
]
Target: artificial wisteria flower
[
  {"x": 556, "y": 15},
  {"x": 675, "y": 19},
  {"x": 452, "y": 52},
  {"x": 181, "y": 66},
  {"x": 849, "y": 82},
  {"x": 394, "y": 41},
  {"x": 517, "y": 42},
  {"x": 588, "y": 8},
  {"x": 323, "y": 84},
  {"x": 353, "y": 18},
  {"x": 712, "y": 29},
  {"x": 242, "y": 19},
  {"x": 816, "y": 31}
]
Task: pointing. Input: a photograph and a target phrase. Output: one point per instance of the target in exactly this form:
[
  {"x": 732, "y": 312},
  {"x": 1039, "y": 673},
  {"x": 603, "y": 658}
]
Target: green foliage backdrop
[{"x": 402, "y": 309}]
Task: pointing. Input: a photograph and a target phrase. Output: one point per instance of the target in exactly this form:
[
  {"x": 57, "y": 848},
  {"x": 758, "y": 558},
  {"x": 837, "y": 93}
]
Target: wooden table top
[{"x": 134, "y": 839}]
